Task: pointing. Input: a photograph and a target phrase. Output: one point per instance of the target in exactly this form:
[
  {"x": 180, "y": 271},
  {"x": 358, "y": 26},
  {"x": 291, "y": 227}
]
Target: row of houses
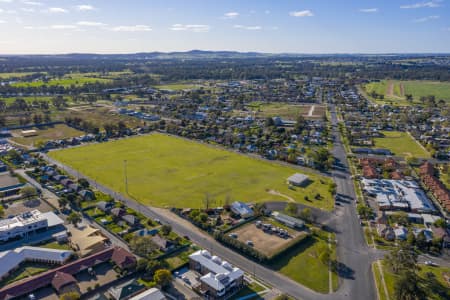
[{"x": 438, "y": 189}]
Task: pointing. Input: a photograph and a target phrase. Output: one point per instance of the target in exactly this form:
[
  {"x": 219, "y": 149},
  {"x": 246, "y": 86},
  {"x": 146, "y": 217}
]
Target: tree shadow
[{"x": 343, "y": 270}]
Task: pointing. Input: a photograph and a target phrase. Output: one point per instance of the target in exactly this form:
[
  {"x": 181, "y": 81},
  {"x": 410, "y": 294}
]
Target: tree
[
  {"x": 402, "y": 258},
  {"x": 62, "y": 201},
  {"x": 291, "y": 209},
  {"x": 440, "y": 223},
  {"x": 282, "y": 297},
  {"x": 28, "y": 191},
  {"x": 306, "y": 215},
  {"x": 142, "y": 245},
  {"x": 407, "y": 287},
  {"x": 364, "y": 211},
  {"x": 162, "y": 277},
  {"x": 166, "y": 229},
  {"x": 141, "y": 264},
  {"x": 83, "y": 183},
  {"x": 2, "y": 211},
  {"x": 74, "y": 218},
  {"x": 70, "y": 296}
]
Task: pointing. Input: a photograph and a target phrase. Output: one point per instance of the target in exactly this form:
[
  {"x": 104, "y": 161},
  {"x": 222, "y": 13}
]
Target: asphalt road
[{"x": 354, "y": 255}]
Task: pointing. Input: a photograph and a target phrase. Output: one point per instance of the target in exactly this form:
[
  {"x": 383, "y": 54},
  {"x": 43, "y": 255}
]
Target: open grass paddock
[{"x": 168, "y": 171}]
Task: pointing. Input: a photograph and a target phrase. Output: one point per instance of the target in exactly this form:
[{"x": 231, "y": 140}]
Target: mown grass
[
  {"x": 433, "y": 290},
  {"x": 66, "y": 81},
  {"x": 401, "y": 144},
  {"x": 303, "y": 265},
  {"x": 169, "y": 171}
]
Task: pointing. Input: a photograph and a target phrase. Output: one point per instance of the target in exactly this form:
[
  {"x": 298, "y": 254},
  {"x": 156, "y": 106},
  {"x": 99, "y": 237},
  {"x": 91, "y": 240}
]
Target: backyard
[
  {"x": 401, "y": 144},
  {"x": 168, "y": 171}
]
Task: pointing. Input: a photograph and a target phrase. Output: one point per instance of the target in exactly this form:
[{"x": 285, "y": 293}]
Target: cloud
[
  {"x": 2, "y": 21},
  {"x": 426, "y": 19},
  {"x": 33, "y": 3},
  {"x": 27, "y": 9},
  {"x": 62, "y": 27},
  {"x": 134, "y": 28},
  {"x": 301, "y": 13},
  {"x": 247, "y": 27},
  {"x": 85, "y": 7},
  {"x": 190, "y": 27},
  {"x": 90, "y": 23},
  {"x": 429, "y": 4},
  {"x": 369, "y": 10},
  {"x": 56, "y": 10},
  {"x": 231, "y": 15}
]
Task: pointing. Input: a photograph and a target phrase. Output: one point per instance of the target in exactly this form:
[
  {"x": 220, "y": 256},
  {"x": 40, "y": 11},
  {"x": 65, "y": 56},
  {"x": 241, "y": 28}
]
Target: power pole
[{"x": 125, "y": 176}]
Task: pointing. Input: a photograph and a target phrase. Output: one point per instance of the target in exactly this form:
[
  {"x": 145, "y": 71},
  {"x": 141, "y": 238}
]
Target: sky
[{"x": 272, "y": 26}]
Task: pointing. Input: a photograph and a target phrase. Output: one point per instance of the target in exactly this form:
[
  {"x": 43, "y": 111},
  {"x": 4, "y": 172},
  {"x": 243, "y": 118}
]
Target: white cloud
[
  {"x": 85, "y": 7},
  {"x": 190, "y": 27},
  {"x": 33, "y": 3},
  {"x": 90, "y": 23},
  {"x": 6, "y": 1},
  {"x": 62, "y": 27},
  {"x": 267, "y": 12},
  {"x": 2, "y": 21},
  {"x": 369, "y": 10},
  {"x": 56, "y": 10},
  {"x": 27, "y": 9},
  {"x": 301, "y": 13},
  {"x": 430, "y": 4},
  {"x": 247, "y": 27},
  {"x": 425, "y": 19},
  {"x": 134, "y": 28},
  {"x": 231, "y": 15}
]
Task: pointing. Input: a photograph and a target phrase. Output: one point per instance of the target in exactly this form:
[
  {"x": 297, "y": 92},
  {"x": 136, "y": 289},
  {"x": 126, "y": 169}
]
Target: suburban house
[
  {"x": 242, "y": 209},
  {"x": 218, "y": 278},
  {"x": 86, "y": 240},
  {"x": 126, "y": 290},
  {"x": 298, "y": 179},
  {"x": 150, "y": 294},
  {"x": 162, "y": 243}
]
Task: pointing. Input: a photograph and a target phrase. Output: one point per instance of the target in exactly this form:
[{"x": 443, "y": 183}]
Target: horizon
[{"x": 49, "y": 27}]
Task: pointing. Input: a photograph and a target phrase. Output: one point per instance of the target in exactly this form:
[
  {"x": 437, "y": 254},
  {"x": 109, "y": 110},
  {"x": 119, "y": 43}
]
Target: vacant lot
[
  {"x": 170, "y": 171},
  {"x": 394, "y": 91},
  {"x": 401, "y": 144},
  {"x": 56, "y": 132},
  {"x": 303, "y": 265},
  {"x": 267, "y": 244},
  {"x": 287, "y": 111}
]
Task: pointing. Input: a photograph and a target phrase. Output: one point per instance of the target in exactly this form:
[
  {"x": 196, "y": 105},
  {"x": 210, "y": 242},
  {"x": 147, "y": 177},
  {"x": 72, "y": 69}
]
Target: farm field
[
  {"x": 287, "y": 111},
  {"x": 401, "y": 144},
  {"x": 303, "y": 265},
  {"x": 59, "y": 131},
  {"x": 177, "y": 86},
  {"x": 168, "y": 171},
  {"x": 435, "y": 289},
  {"x": 14, "y": 75},
  {"x": 66, "y": 81},
  {"x": 394, "y": 91}
]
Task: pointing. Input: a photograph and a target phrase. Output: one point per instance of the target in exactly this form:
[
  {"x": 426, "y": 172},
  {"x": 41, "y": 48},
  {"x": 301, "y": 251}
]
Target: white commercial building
[
  {"x": 297, "y": 179},
  {"x": 398, "y": 195},
  {"x": 10, "y": 260},
  {"x": 26, "y": 223},
  {"x": 218, "y": 277}
]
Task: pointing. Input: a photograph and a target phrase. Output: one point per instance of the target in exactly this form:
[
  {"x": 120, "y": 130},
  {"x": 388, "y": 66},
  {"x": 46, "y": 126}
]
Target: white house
[{"x": 242, "y": 209}]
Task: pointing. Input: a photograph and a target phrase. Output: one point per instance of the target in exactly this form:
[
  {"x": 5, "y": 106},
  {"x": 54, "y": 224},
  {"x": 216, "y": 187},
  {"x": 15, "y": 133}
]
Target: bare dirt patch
[{"x": 265, "y": 243}]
